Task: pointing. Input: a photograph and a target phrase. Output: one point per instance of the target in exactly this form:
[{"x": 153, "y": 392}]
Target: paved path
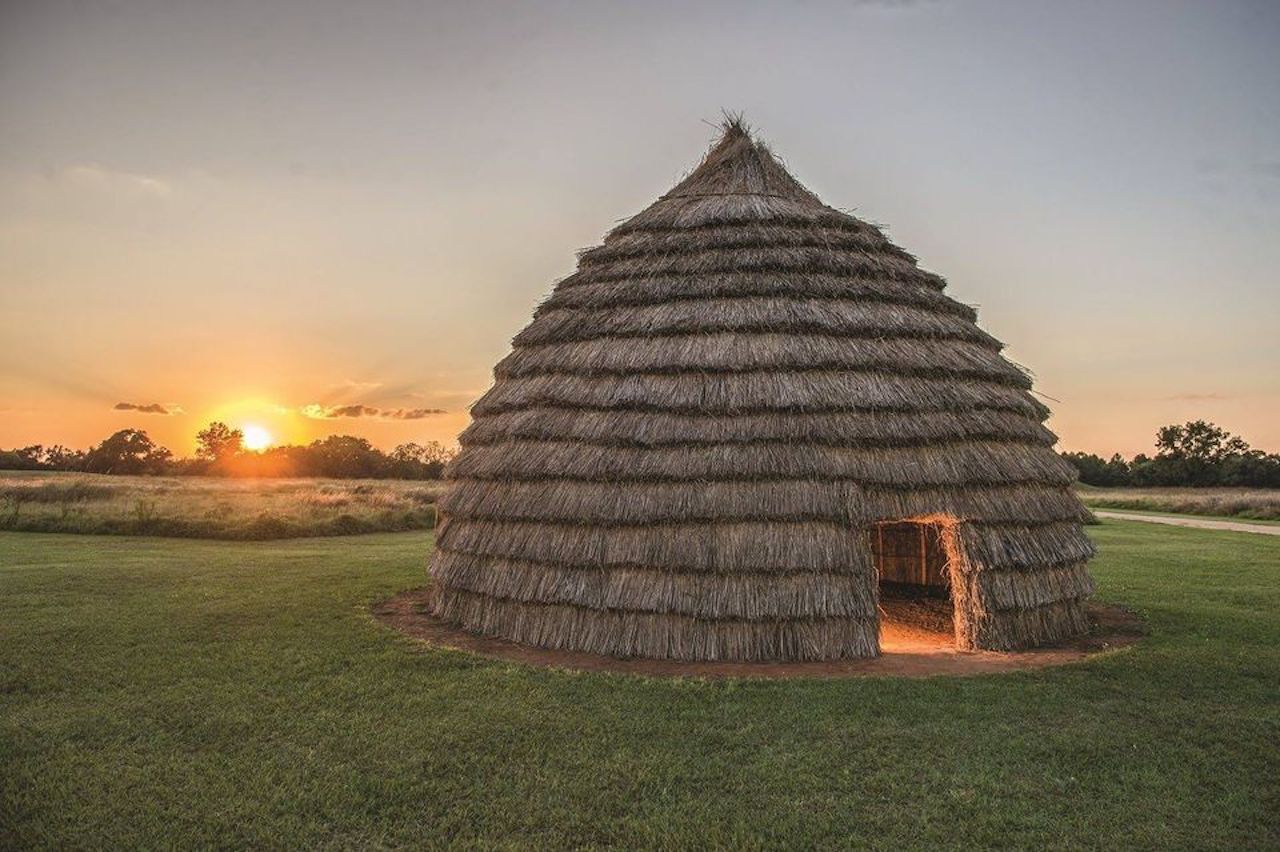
[{"x": 1185, "y": 521}]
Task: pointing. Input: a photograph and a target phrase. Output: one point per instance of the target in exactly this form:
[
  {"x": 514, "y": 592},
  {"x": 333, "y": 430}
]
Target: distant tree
[
  {"x": 1089, "y": 467},
  {"x": 1199, "y": 441},
  {"x": 22, "y": 458},
  {"x": 1254, "y": 468},
  {"x": 1092, "y": 470},
  {"x": 59, "y": 457},
  {"x": 1117, "y": 470},
  {"x": 219, "y": 451},
  {"x": 1193, "y": 453},
  {"x": 129, "y": 451},
  {"x": 345, "y": 457},
  {"x": 418, "y": 461},
  {"x": 29, "y": 457},
  {"x": 218, "y": 442},
  {"x": 1144, "y": 471}
]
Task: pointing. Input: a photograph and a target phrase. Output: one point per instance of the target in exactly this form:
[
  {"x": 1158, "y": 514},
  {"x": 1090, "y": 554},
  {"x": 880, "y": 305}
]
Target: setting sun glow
[{"x": 256, "y": 438}]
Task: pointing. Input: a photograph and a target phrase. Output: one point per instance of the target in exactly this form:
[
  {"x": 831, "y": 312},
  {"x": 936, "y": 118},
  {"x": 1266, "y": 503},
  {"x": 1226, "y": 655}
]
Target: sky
[{"x": 288, "y": 214}]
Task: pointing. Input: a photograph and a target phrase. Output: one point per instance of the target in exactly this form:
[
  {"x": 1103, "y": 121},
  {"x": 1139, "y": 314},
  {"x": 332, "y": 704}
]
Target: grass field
[
  {"x": 1259, "y": 504},
  {"x": 211, "y": 507},
  {"x": 176, "y": 693}
]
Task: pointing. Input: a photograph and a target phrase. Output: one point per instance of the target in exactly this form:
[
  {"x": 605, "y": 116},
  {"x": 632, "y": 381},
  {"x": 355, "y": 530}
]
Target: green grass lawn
[{"x": 171, "y": 693}]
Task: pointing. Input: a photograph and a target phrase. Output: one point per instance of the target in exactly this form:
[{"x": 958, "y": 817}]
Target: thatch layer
[
  {"x": 1044, "y": 530},
  {"x": 691, "y": 212},
  {"x": 1012, "y": 590},
  {"x": 730, "y": 352},
  {"x": 633, "y": 244},
  {"x": 664, "y": 636},
  {"x": 780, "y": 259},
  {"x": 1012, "y": 629},
  {"x": 1027, "y": 548},
  {"x": 810, "y": 547},
  {"x": 605, "y": 504},
  {"x": 743, "y": 393},
  {"x": 768, "y": 314},
  {"x": 626, "y": 428},
  {"x": 687, "y": 450},
  {"x": 659, "y": 289},
  {"x": 739, "y": 596},
  {"x": 976, "y": 463}
]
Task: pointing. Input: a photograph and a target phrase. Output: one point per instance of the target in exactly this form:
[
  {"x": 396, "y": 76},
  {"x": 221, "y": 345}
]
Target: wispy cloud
[
  {"x": 1195, "y": 397},
  {"x": 148, "y": 408},
  {"x": 410, "y": 413},
  {"x": 357, "y": 386},
  {"x": 329, "y": 412},
  {"x": 325, "y": 412},
  {"x": 94, "y": 176}
]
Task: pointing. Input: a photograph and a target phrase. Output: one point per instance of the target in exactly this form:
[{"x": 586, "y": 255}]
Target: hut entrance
[{"x": 914, "y": 578}]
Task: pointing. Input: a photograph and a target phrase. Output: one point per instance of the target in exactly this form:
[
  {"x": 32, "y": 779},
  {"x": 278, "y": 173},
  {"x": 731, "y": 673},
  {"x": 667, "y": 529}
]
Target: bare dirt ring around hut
[{"x": 907, "y": 650}]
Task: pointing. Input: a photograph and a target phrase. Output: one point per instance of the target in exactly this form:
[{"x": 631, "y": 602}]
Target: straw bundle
[{"x": 684, "y": 453}]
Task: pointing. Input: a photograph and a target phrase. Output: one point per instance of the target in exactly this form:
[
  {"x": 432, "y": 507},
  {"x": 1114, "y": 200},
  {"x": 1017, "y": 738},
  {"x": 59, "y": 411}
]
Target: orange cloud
[
  {"x": 148, "y": 408},
  {"x": 410, "y": 413},
  {"x": 328, "y": 412}
]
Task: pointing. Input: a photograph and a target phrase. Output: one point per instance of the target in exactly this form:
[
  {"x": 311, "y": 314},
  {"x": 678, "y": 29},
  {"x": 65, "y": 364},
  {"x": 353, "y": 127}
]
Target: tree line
[
  {"x": 221, "y": 452},
  {"x": 1196, "y": 454}
]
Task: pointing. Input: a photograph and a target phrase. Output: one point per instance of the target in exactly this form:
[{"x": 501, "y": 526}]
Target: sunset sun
[{"x": 256, "y": 438}]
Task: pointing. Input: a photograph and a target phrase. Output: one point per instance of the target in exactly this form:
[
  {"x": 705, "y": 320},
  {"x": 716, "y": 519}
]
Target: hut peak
[{"x": 740, "y": 164}]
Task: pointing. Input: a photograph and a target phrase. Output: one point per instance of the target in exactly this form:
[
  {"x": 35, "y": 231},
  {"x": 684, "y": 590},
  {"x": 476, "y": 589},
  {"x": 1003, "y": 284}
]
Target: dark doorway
[{"x": 911, "y": 566}]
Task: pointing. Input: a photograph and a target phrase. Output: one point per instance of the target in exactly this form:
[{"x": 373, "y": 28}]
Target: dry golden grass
[
  {"x": 1261, "y": 504},
  {"x": 205, "y": 507}
]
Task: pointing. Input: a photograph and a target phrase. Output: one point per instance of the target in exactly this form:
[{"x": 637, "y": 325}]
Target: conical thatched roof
[{"x": 684, "y": 453}]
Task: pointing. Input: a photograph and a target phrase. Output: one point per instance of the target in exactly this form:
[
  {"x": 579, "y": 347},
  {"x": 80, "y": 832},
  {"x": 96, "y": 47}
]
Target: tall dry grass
[
  {"x": 1252, "y": 503},
  {"x": 202, "y": 507}
]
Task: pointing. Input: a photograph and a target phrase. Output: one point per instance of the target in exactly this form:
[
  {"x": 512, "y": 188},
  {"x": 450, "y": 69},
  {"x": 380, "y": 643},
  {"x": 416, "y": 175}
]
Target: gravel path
[{"x": 1185, "y": 521}]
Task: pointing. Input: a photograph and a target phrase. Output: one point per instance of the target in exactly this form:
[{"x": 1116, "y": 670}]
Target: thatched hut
[{"x": 745, "y": 423}]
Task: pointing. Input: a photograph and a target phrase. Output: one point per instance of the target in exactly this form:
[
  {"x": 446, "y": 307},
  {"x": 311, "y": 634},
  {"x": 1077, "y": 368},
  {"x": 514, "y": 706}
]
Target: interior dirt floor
[
  {"x": 916, "y": 612},
  {"x": 907, "y": 650}
]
